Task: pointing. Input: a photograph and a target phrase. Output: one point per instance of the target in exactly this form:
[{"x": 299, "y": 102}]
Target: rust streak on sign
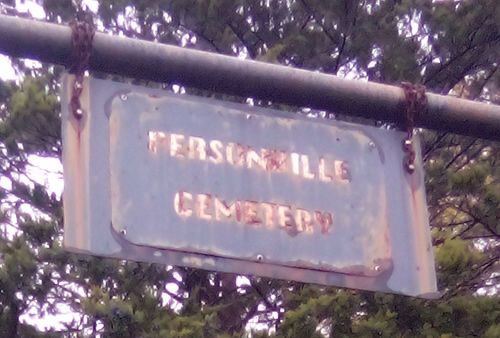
[
  {"x": 76, "y": 193},
  {"x": 200, "y": 155},
  {"x": 183, "y": 180}
]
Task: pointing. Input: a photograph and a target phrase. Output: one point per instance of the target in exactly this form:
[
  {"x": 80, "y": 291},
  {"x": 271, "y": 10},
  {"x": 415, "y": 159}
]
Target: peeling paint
[
  {"x": 198, "y": 262},
  {"x": 361, "y": 223}
]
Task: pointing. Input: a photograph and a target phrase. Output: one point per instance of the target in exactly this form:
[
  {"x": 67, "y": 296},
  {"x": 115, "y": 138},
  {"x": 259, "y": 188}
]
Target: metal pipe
[{"x": 158, "y": 62}]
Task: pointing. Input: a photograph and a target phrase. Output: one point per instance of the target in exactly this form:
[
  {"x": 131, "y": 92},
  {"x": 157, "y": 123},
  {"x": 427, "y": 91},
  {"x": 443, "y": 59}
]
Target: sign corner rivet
[
  {"x": 124, "y": 97},
  {"x": 79, "y": 112}
]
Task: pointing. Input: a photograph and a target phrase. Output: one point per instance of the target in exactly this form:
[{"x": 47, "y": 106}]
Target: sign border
[{"x": 87, "y": 204}]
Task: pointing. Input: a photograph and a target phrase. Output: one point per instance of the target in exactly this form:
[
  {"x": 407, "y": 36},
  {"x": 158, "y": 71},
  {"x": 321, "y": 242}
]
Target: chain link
[
  {"x": 416, "y": 102},
  {"x": 81, "y": 46}
]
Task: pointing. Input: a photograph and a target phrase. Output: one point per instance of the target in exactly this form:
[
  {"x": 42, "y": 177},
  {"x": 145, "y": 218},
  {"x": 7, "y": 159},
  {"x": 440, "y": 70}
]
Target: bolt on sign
[{"x": 182, "y": 180}]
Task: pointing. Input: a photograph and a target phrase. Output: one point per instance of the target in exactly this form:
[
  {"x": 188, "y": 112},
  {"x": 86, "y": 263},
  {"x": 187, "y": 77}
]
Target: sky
[
  {"x": 26, "y": 6},
  {"x": 46, "y": 171},
  {"x": 49, "y": 173}
]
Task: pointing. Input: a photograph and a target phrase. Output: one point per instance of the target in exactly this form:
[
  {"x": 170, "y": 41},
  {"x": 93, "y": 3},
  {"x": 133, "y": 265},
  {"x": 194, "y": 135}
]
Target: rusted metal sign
[{"x": 182, "y": 180}]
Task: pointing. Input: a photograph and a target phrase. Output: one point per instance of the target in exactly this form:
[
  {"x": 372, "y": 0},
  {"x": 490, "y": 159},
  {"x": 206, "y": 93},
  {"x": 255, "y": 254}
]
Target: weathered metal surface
[
  {"x": 163, "y": 63},
  {"x": 182, "y": 180}
]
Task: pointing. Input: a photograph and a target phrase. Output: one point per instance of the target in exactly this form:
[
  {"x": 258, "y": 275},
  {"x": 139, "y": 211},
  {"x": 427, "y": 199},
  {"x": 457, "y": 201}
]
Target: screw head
[
  {"x": 124, "y": 97},
  {"x": 260, "y": 258},
  {"x": 79, "y": 113},
  {"x": 407, "y": 145},
  {"x": 123, "y": 232}
]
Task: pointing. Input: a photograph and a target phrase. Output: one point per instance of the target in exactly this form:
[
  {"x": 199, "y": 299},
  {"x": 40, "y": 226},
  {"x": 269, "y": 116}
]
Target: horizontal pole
[{"x": 134, "y": 58}]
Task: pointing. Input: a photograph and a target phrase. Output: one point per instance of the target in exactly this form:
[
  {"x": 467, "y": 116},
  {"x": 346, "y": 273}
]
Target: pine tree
[{"x": 452, "y": 47}]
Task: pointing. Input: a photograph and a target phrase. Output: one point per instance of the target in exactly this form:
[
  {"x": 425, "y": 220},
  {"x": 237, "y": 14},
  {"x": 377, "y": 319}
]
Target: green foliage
[
  {"x": 450, "y": 46},
  {"x": 457, "y": 262},
  {"x": 33, "y": 121}
]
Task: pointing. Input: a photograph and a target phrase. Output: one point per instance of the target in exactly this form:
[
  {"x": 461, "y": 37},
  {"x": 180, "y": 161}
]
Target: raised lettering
[
  {"x": 254, "y": 158},
  {"x": 269, "y": 211},
  {"x": 252, "y": 212},
  {"x": 305, "y": 167},
  {"x": 342, "y": 171},
  {"x": 204, "y": 206},
  {"x": 182, "y": 203},
  {"x": 325, "y": 221},
  {"x": 177, "y": 145},
  {"x": 197, "y": 148},
  {"x": 272, "y": 160},
  {"x": 215, "y": 151},
  {"x": 275, "y": 160},
  {"x": 323, "y": 176},
  {"x": 304, "y": 220},
  {"x": 295, "y": 163},
  {"x": 223, "y": 210},
  {"x": 285, "y": 218},
  {"x": 291, "y": 219},
  {"x": 235, "y": 154},
  {"x": 157, "y": 140}
]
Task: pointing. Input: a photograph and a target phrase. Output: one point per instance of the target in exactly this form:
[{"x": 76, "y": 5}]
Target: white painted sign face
[{"x": 182, "y": 180}]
